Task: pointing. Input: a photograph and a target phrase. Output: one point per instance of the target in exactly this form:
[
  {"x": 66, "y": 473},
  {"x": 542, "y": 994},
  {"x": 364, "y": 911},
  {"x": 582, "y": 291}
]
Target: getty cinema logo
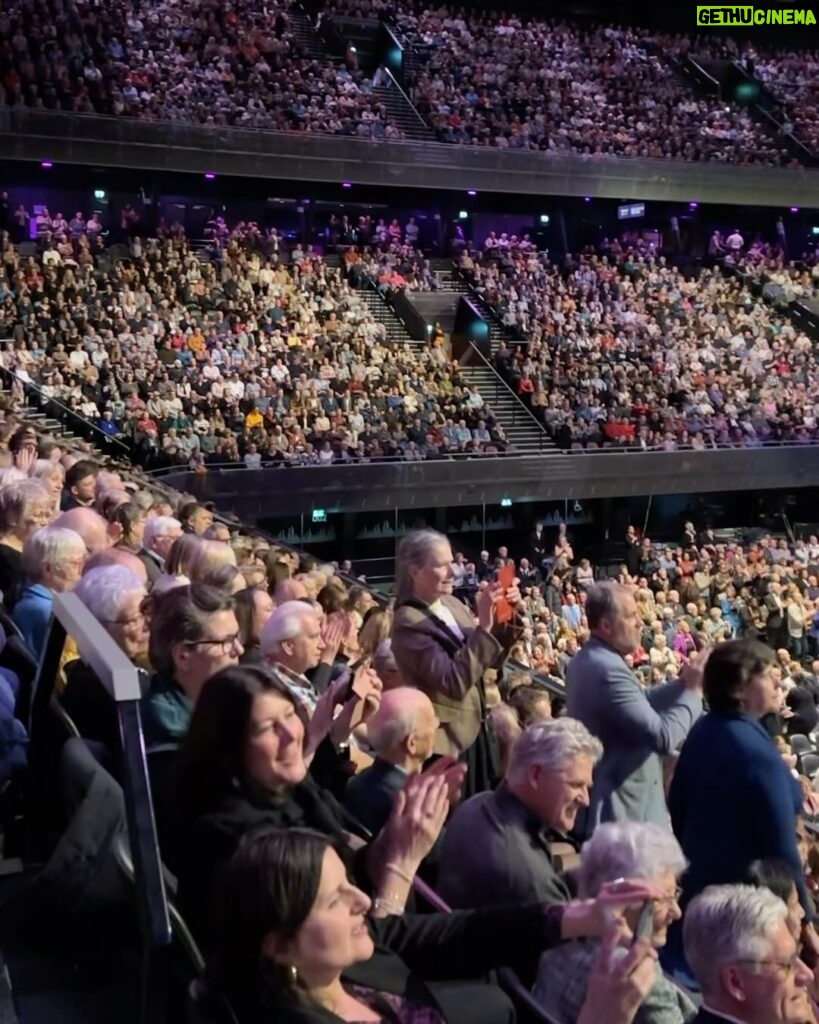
[{"x": 734, "y": 16}]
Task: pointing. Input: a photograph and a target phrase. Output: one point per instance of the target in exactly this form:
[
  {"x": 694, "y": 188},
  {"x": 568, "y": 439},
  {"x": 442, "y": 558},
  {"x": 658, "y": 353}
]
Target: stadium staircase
[
  {"x": 521, "y": 428},
  {"x": 402, "y": 113}
]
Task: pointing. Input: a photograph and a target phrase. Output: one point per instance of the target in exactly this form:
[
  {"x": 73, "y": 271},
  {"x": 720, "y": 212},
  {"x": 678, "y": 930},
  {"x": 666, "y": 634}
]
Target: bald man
[
  {"x": 291, "y": 589},
  {"x": 401, "y": 733},
  {"x": 118, "y": 556},
  {"x": 89, "y": 525}
]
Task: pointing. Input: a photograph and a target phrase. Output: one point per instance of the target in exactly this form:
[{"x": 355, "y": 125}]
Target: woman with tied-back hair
[
  {"x": 440, "y": 648},
  {"x": 297, "y": 942}
]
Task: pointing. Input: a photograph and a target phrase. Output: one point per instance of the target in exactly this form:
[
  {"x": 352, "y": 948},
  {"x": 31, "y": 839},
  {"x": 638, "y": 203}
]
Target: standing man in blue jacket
[{"x": 636, "y": 726}]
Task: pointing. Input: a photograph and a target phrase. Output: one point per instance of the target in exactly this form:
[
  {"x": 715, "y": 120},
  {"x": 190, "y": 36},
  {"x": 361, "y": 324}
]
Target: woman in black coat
[
  {"x": 298, "y": 943},
  {"x": 244, "y": 764}
]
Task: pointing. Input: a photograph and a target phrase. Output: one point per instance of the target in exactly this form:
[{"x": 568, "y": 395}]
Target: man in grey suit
[{"x": 636, "y": 726}]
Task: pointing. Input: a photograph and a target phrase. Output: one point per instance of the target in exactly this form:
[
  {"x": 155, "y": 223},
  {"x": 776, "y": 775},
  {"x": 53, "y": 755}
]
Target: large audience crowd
[
  {"x": 237, "y": 359},
  {"x": 255, "y": 354},
  {"x": 624, "y": 348},
  {"x": 285, "y": 710},
  {"x": 200, "y": 63},
  {"x": 486, "y": 79}
]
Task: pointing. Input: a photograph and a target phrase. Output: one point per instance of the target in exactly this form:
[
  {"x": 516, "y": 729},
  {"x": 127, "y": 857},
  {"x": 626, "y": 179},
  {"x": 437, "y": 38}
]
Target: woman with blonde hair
[
  {"x": 376, "y": 629},
  {"x": 52, "y": 475},
  {"x": 208, "y": 556}
]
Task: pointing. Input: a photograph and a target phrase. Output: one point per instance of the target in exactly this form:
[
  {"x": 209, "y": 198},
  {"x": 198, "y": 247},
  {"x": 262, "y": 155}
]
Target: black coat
[
  {"x": 202, "y": 845},
  {"x": 416, "y": 953}
]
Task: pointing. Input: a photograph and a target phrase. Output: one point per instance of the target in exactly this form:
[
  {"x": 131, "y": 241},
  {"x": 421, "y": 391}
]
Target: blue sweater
[{"x": 733, "y": 801}]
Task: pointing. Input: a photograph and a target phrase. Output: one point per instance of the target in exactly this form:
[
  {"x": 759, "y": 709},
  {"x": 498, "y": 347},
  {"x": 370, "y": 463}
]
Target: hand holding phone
[{"x": 644, "y": 926}]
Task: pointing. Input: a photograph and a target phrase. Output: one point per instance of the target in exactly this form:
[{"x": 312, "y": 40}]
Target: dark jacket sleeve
[{"x": 469, "y": 943}]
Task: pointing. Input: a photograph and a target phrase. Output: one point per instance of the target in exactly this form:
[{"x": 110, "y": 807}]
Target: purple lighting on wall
[
  {"x": 346, "y": 184},
  {"x": 47, "y": 164},
  {"x": 209, "y": 175},
  {"x": 794, "y": 209},
  {"x": 692, "y": 205},
  {"x": 586, "y": 199},
  {"x": 472, "y": 192}
]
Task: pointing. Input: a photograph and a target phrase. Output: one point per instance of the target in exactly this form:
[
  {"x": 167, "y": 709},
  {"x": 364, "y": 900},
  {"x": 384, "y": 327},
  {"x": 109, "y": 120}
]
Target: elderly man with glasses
[{"x": 745, "y": 958}]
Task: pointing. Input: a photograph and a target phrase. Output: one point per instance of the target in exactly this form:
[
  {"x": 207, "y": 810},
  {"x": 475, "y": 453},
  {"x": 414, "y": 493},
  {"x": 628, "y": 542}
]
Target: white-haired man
[
  {"x": 402, "y": 734},
  {"x": 159, "y": 534},
  {"x": 291, "y": 640},
  {"x": 745, "y": 958},
  {"x": 496, "y": 848}
]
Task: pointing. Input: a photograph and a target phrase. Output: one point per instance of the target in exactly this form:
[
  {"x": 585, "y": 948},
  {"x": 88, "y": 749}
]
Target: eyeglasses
[
  {"x": 225, "y": 643},
  {"x": 788, "y": 966},
  {"x": 674, "y": 897}
]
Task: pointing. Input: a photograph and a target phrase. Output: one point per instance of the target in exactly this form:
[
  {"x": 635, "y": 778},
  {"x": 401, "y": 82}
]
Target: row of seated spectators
[
  {"x": 239, "y": 360},
  {"x": 254, "y": 733},
  {"x": 789, "y": 75},
  {"x": 240, "y": 639},
  {"x": 783, "y": 280},
  {"x": 622, "y": 347},
  {"x": 198, "y": 63},
  {"x": 607, "y": 91},
  {"x": 495, "y": 79}
]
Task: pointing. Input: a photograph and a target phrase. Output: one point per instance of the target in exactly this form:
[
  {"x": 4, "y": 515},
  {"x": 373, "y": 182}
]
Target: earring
[{"x": 294, "y": 974}]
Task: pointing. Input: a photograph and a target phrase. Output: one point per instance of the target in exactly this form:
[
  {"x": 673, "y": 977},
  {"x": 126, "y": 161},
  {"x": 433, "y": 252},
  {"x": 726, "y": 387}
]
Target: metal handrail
[
  {"x": 70, "y": 415},
  {"x": 499, "y": 381},
  {"x": 608, "y": 448},
  {"x": 408, "y": 101},
  {"x": 21, "y": 121}
]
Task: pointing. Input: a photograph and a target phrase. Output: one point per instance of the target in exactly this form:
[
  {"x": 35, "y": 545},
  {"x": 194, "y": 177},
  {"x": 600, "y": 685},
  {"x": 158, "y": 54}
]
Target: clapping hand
[
  {"x": 25, "y": 458},
  {"x": 693, "y": 670},
  {"x": 418, "y": 816}
]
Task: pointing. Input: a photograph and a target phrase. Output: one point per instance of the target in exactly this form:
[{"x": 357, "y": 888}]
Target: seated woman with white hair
[
  {"x": 53, "y": 559},
  {"x": 115, "y": 597},
  {"x": 624, "y": 849}
]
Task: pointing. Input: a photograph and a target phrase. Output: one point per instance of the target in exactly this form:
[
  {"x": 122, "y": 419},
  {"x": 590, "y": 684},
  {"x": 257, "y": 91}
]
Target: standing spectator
[
  {"x": 732, "y": 798},
  {"x": 441, "y": 649},
  {"x": 635, "y": 727}
]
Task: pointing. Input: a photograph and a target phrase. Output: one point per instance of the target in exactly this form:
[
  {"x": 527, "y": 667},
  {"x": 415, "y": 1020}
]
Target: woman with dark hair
[
  {"x": 131, "y": 519},
  {"x": 244, "y": 763},
  {"x": 254, "y": 606},
  {"x": 776, "y": 876},
  {"x": 732, "y": 799},
  {"x": 298, "y": 943}
]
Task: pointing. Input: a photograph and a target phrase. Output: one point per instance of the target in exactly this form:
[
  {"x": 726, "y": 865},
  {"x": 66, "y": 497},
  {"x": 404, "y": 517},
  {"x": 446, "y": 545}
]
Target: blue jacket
[
  {"x": 635, "y": 726},
  {"x": 733, "y": 801},
  {"x": 32, "y": 614}
]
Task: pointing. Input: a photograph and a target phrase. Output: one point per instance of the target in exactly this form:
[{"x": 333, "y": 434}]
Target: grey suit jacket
[{"x": 635, "y": 726}]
